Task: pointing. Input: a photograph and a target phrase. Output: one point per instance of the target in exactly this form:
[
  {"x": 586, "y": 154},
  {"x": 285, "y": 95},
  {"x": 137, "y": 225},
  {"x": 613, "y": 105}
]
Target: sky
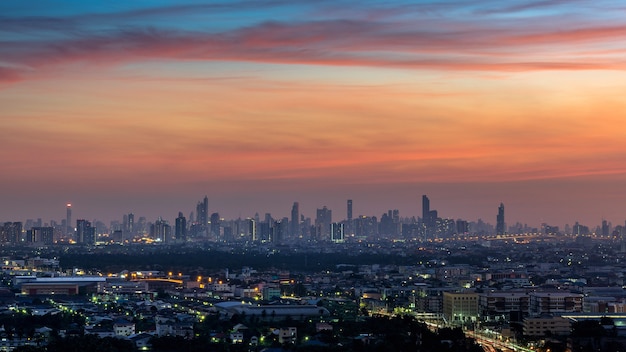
[{"x": 148, "y": 106}]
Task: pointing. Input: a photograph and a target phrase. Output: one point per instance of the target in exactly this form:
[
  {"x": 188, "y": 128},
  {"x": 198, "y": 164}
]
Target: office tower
[
  {"x": 500, "y": 229},
  {"x": 349, "y": 209},
  {"x": 181, "y": 227},
  {"x": 202, "y": 212},
  {"x": 605, "y": 228},
  {"x": 295, "y": 220},
  {"x": 278, "y": 230},
  {"x": 322, "y": 223},
  {"x": 85, "y": 233},
  {"x": 215, "y": 225},
  {"x": 252, "y": 230},
  {"x": 11, "y": 232},
  {"x": 130, "y": 225},
  {"x": 462, "y": 226},
  {"x": 337, "y": 232},
  {"x": 68, "y": 219},
  {"x": 425, "y": 210},
  {"x": 43, "y": 235},
  {"x": 161, "y": 231}
]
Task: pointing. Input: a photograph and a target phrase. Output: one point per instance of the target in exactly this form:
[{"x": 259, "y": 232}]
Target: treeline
[{"x": 187, "y": 260}]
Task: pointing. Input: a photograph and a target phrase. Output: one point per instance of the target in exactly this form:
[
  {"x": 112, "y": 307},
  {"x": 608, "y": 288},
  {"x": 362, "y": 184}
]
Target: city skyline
[
  {"x": 146, "y": 107},
  {"x": 427, "y": 215}
]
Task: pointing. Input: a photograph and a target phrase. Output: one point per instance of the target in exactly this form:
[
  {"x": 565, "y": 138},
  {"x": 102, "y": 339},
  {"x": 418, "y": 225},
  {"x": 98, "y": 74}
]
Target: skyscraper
[
  {"x": 215, "y": 226},
  {"x": 349, "y": 209},
  {"x": 202, "y": 212},
  {"x": 322, "y": 223},
  {"x": 295, "y": 220},
  {"x": 85, "y": 233},
  {"x": 500, "y": 220},
  {"x": 68, "y": 219},
  {"x": 181, "y": 227},
  {"x": 425, "y": 210},
  {"x": 336, "y": 232}
]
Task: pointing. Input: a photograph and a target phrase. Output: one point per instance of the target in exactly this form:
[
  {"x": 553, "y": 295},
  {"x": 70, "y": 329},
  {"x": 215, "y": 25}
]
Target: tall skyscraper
[
  {"x": 202, "y": 212},
  {"x": 295, "y": 220},
  {"x": 500, "y": 227},
  {"x": 129, "y": 227},
  {"x": 215, "y": 226},
  {"x": 68, "y": 219},
  {"x": 161, "y": 230},
  {"x": 349, "y": 209},
  {"x": 181, "y": 227},
  {"x": 322, "y": 223},
  {"x": 425, "y": 208},
  {"x": 252, "y": 230}
]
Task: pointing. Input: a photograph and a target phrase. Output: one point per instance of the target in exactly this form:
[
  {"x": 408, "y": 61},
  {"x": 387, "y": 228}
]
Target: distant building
[
  {"x": 68, "y": 220},
  {"x": 337, "y": 232},
  {"x": 43, "y": 235},
  {"x": 11, "y": 232},
  {"x": 161, "y": 231},
  {"x": 322, "y": 223},
  {"x": 554, "y": 302},
  {"x": 202, "y": 211},
  {"x": 181, "y": 227},
  {"x": 85, "y": 233},
  {"x": 295, "y": 220},
  {"x": 546, "y": 325},
  {"x": 500, "y": 226},
  {"x": 460, "y": 308},
  {"x": 215, "y": 226}
]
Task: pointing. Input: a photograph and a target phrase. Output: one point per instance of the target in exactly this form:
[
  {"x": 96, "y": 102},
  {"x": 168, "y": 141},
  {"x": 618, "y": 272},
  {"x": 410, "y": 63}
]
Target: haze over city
[{"x": 122, "y": 107}]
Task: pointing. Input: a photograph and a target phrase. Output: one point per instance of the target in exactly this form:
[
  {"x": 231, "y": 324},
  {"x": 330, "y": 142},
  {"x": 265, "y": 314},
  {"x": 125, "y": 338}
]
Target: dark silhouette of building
[
  {"x": 161, "y": 231},
  {"x": 128, "y": 226},
  {"x": 11, "y": 232},
  {"x": 181, "y": 227},
  {"x": 215, "y": 225},
  {"x": 322, "y": 223},
  {"x": 43, "y": 235},
  {"x": 68, "y": 220},
  {"x": 295, "y": 220},
  {"x": 85, "y": 233},
  {"x": 202, "y": 212},
  {"x": 349, "y": 209},
  {"x": 337, "y": 232},
  {"x": 500, "y": 227},
  {"x": 425, "y": 209}
]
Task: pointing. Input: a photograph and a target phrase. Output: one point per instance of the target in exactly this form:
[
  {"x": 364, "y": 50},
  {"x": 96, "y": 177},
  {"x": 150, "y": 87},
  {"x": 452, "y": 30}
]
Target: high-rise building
[
  {"x": 68, "y": 219},
  {"x": 349, "y": 209},
  {"x": 161, "y": 231},
  {"x": 129, "y": 225},
  {"x": 500, "y": 227},
  {"x": 337, "y": 232},
  {"x": 426, "y": 210},
  {"x": 202, "y": 212},
  {"x": 43, "y": 235},
  {"x": 85, "y": 233},
  {"x": 11, "y": 232},
  {"x": 181, "y": 227},
  {"x": 215, "y": 226},
  {"x": 322, "y": 223},
  {"x": 295, "y": 220},
  {"x": 252, "y": 230}
]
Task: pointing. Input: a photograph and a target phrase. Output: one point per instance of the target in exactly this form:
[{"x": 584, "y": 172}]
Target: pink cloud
[{"x": 334, "y": 43}]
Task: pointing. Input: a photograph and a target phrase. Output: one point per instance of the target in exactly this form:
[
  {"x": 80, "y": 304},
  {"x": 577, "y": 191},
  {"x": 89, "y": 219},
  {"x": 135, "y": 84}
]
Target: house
[
  {"x": 288, "y": 335},
  {"x": 123, "y": 327}
]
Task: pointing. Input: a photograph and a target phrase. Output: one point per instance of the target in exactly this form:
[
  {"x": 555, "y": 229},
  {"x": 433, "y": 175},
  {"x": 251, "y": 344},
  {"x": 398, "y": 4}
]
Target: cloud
[{"x": 431, "y": 45}]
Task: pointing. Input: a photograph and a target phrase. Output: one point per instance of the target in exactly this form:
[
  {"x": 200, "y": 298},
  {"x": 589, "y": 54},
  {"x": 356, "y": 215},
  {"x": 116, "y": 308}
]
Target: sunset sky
[{"x": 148, "y": 106}]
